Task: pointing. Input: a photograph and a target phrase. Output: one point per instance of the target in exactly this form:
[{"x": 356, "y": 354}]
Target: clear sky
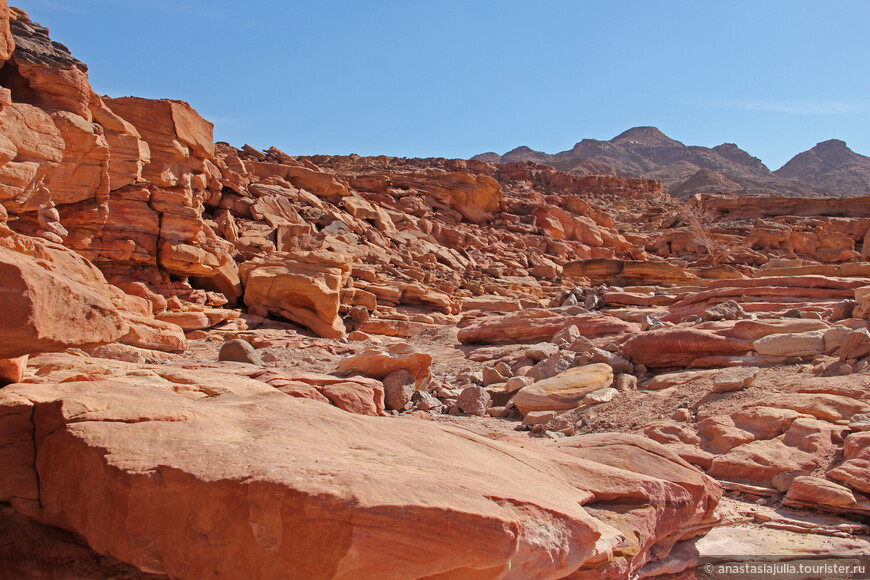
[{"x": 455, "y": 78}]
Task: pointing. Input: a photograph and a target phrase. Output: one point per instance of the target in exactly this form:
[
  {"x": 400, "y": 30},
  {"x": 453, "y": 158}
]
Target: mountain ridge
[{"x": 828, "y": 168}]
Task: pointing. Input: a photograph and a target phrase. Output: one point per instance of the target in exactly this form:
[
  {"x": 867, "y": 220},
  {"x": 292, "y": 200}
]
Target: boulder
[
  {"x": 12, "y": 369},
  {"x": 735, "y": 379},
  {"x": 791, "y": 344},
  {"x": 856, "y": 344},
  {"x": 566, "y": 390},
  {"x": 605, "y": 270},
  {"x": 552, "y": 366},
  {"x": 536, "y": 325},
  {"x": 681, "y": 347},
  {"x": 855, "y": 470},
  {"x": 186, "y": 320},
  {"x": 474, "y": 400},
  {"x": 302, "y": 287},
  {"x": 151, "y": 334},
  {"x": 378, "y": 362},
  {"x": 355, "y": 397},
  {"x": 818, "y": 493},
  {"x": 239, "y": 350},
  {"x": 398, "y": 389},
  {"x": 48, "y": 309}
]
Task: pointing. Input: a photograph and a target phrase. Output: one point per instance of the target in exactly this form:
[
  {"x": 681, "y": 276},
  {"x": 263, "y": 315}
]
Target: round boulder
[{"x": 238, "y": 350}]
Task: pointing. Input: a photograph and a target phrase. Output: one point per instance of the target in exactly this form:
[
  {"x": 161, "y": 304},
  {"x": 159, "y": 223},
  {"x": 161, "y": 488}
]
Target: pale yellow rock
[
  {"x": 791, "y": 344},
  {"x": 566, "y": 390}
]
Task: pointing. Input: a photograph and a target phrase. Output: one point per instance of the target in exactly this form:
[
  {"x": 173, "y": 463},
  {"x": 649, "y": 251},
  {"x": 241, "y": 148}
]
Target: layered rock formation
[{"x": 226, "y": 362}]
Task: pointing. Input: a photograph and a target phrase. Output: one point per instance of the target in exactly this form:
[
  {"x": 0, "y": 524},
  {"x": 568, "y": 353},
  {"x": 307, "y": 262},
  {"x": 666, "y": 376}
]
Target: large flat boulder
[
  {"x": 538, "y": 325},
  {"x": 567, "y": 390},
  {"x": 261, "y": 484},
  {"x": 682, "y": 347}
]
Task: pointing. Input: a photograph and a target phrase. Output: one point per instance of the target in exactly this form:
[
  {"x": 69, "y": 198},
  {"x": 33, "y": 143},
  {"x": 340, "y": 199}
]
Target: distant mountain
[{"x": 830, "y": 167}]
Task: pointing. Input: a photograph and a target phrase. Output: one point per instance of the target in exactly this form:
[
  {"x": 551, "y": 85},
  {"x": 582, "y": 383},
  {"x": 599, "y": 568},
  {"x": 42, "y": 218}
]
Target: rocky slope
[
  {"x": 828, "y": 168},
  {"x": 224, "y": 362},
  {"x": 831, "y": 167}
]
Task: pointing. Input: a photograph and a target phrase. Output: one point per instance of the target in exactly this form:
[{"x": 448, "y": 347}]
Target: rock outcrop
[{"x": 221, "y": 361}]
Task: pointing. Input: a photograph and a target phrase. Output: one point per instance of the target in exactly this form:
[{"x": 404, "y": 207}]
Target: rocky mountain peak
[{"x": 647, "y": 136}]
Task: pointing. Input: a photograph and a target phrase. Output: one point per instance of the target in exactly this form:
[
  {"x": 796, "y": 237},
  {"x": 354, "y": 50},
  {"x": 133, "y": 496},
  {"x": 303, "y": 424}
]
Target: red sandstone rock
[
  {"x": 606, "y": 270},
  {"x": 534, "y": 325},
  {"x": 302, "y": 287},
  {"x": 680, "y": 347},
  {"x": 154, "y": 334},
  {"x": 12, "y": 369},
  {"x": 355, "y": 398},
  {"x": 46, "y": 310},
  {"x": 377, "y": 363},
  {"x": 173, "y": 489}
]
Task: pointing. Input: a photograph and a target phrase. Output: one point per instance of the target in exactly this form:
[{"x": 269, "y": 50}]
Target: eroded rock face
[
  {"x": 46, "y": 309},
  {"x": 201, "y": 486},
  {"x": 533, "y": 326},
  {"x": 302, "y": 287}
]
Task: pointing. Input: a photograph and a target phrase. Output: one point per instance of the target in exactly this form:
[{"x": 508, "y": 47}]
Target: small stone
[
  {"x": 860, "y": 422},
  {"x": 682, "y": 415},
  {"x": 359, "y": 314},
  {"x": 474, "y": 400},
  {"x": 582, "y": 345},
  {"x": 735, "y": 379},
  {"x": 398, "y": 389},
  {"x": 845, "y": 369},
  {"x": 268, "y": 357},
  {"x": 793, "y": 313},
  {"x": 539, "y": 417},
  {"x": 514, "y": 384},
  {"x": 468, "y": 376},
  {"x": 492, "y": 376},
  {"x": 782, "y": 481},
  {"x": 625, "y": 382},
  {"x": 566, "y": 336},
  {"x": 843, "y": 310},
  {"x": 504, "y": 369},
  {"x": 601, "y": 395},
  {"x": 12, "y": 370},
  {"x": 239, "y": 350},
  {"x": 498, "y": 412},
  {"x": 571, "y": 300},
  {"x": 593, "y": 302},
  {"x": 728, "y": 310},
  {"x": 650, "y": 322},
  {"x": 552, "y": 366},
  {"x": 542, "y": 350},
  {"x": 425, "y": 401}
]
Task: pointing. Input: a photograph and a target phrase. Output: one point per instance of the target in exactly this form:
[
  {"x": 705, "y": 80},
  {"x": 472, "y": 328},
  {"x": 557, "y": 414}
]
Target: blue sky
[{"x": 455, "y": 78}]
